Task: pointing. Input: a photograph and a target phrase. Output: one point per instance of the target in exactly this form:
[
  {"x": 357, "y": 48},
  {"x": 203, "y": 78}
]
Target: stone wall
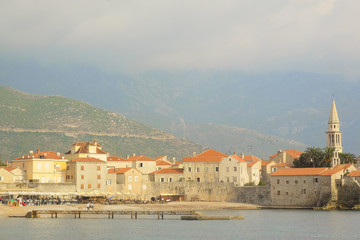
[
  {"x": 194, "y": 191},
  {"x": 39, "y": 187},
  {"x": 259, "y": 195},
  {"x": 349, "y": 193}
]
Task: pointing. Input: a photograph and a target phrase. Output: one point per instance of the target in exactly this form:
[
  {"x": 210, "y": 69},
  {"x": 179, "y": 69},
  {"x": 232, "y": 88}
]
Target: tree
[{"x": 347, "y": 158}]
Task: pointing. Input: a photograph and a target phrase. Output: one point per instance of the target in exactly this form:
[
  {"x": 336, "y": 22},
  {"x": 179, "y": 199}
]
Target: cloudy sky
[{"x": 252, "y": 36}]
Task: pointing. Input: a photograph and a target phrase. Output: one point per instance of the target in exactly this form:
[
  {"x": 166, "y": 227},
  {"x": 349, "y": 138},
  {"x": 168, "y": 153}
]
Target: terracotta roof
[
  {"x": 169, "y": 171},
  {"x": 238, "y": 158},
  {"x": 250, "y": 164},
  {"x": 162, "y": 163},
  {"x": 354, "y": 174},
  {"x": 298, "y": 171},
  {"x": 41, "y": 155},
  {"x": 178, "y": 162},
  {"x": 282, "y": 165},
  {"x": 90, "y": 159},
  {"x": 293, "y": 153},
  {"x": 9, "y": 169},
  {"x": 160, "y": 158},
  {"x": 336, "y": 169},
  {"x": 115, "y": 158},
  {"x": 207, "y": 156},
  {"x": 140, "y": 158},
  {"x": 265, "y": 163},
  {"x": 249, "y": 158},
  {"x": 118, "y": 170}
]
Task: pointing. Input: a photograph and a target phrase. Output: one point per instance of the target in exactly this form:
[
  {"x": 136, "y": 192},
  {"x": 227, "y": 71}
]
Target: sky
[{"x": 250, "y": 36}]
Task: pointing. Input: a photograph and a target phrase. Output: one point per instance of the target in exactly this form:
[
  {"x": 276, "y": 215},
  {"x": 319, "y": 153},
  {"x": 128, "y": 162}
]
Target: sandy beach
[{"x": 6, "y": 211}]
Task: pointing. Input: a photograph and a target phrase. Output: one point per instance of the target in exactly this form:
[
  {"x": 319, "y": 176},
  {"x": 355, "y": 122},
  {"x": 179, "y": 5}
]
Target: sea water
[{"x": 258, "y": 224}]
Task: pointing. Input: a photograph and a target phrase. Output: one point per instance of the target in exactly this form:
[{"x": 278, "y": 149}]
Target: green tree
[
  {"x": 312, "y": 157},
  {"x": 328, "y": 154},
  {"x": 347, "y": 158}
]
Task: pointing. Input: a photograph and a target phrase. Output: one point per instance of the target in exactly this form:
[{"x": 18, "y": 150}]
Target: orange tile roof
[
  {"x": 118, "y": 170},
  {"x": 115, "y": 158},
  {"x": 293, "y": 153},
  {"x": 140, "y": 158},
  {"x": 207, "y": 156},
  {"x": 9, "y": 169},
  {"x": 238, "y": 158},
  {"x": 159, "y": 158},
  {"x": 354, "y": 174},
  {"x": 158, "y": 163},
  {"x": 265, "y": 163},
  {"x": 336, "y": 169},
  {"x": 89, "y": 159},
  {"x": 249, "y": 158},
  {"x": 41, "y": 155},
  {"x": 298, "y": 171},
  {"x": 169, "y": 171},
  {"x": 250, "y": 164},
  {"x": 282, "y": 165}
]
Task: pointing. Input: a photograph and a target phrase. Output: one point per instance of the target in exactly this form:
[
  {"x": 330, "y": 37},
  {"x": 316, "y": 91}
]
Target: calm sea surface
[{"x": 258, "y": 224}]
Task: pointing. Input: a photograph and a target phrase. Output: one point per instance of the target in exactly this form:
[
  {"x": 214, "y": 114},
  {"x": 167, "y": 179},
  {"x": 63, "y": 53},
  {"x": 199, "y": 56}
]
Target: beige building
[
  {"x": 167, "y": 175},
  {"x": 266, "y": 170},
  {"x": 285, "y": 156},
  {"x": 86, "y": 150},
  {"x": 88, "y": 174},
  {"x": 306, "y": 187},
  {"x": 119, "y": 162},
  {"x": 281, "y": 165},
  {"x": 233, "y": 169},
  {"x": 45, "y": 167},
  {"x": 125, "y": 180},
  {"x": 254, "y": 171},
  {"x": 11, "y": 175}
]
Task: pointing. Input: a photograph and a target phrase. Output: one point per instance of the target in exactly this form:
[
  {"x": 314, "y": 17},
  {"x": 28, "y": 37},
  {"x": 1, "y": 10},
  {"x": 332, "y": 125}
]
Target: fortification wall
[
  {"x": 259, "y": 195},
  {"x": 194, "y": 191},
  {"x": 349, "y": 193}
]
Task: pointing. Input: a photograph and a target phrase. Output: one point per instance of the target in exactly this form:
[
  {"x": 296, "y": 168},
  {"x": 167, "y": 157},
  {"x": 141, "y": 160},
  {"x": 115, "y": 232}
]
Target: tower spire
[{"x": 333, "y": 135}]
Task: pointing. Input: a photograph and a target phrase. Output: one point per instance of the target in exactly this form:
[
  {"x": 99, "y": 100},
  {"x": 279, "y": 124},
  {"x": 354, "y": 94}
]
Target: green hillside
[{"x": 28, "y": 122}]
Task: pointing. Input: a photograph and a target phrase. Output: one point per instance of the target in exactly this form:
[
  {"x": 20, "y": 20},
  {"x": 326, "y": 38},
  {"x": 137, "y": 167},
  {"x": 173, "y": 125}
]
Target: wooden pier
[{"x": 109, "y": 213}]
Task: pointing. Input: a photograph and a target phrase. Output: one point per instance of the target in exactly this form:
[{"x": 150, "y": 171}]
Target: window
[
  {"x": 144, "y": 187},
  {"x": 316, "y": 180},
  {"x": 82, "y": 186},
  {"x": 108, "y": 182},
  {"x": 234, "y": 179},
  {"x": 198, "y": 179},
  {"x": 227, "y": 169},
  {"x": 98, "y": 168},
  {"x": 82, "y": 168},
  {"x": 136, "y": 178},
  {"x": 296, "y": 181},
  {"x": 287, "y": 181},
  {"x": 162, "y": 179},
  {"x": 67, "y": 167},
  {"x": 89, "y": 185},
  {"x": 235, "y": 169},
  {"x": 216, "y": 169},
  {"x": 23, "y": 165},
  {"x": 39, "y": 166},
  {"x": 189, "y": 169},
  {"x": 278, "y": 181},
  {"x": 198, "y": 169},
  {"x": 141, "y": 164},
  {"x": 287, "y": 193},
  {"x": 98, "y": 176},
  {"x": 170, "y": 179},
  {"x": 303, "y": 191},
  {"x": 98, "y": 186},
  {"x": 227, "y": 179},
  {"x": 130, "y": 178},
  {"x": 304, "y": 181},
  {"x": 1, "y": 178},
  {"x": 278, "y": 192},
  {"x": 82, "y": 176}
]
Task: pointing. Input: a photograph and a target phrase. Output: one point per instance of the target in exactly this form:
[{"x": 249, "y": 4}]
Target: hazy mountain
[
  {"x": 28, "y": 122},
  {"x": 268, "y": 104}
]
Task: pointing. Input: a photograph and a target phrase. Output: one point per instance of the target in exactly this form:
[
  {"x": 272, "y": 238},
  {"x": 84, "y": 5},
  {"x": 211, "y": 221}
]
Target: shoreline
[{"x": 7, "y": 211}]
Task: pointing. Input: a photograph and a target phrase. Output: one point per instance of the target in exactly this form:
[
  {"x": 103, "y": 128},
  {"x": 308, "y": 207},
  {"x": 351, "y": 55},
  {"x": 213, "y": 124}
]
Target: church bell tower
[{"x": 334, "y": 135}]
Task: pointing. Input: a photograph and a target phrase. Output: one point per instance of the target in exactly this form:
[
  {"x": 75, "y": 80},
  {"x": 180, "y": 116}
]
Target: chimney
[
  {"x": 58, "y": 154},
  {"x": 284, "y": 157},
  {"x": 194, "y": 154},
  {"x": 95, "y": 142},
  {"x": 173, "y": 160},
  {"x": 38, "y": 150},
  {"x": 7, "y": 163},
  {"x": 127, "y": 156},
  {"x": 134, "y": 154},
  {"x": 242, "y": 156},
  {"x": 31, "y": 152}
]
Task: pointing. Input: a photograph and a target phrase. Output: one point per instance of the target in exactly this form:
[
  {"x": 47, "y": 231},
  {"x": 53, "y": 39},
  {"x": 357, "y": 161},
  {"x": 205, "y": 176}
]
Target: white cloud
[{"x": 252, "y": 36}]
